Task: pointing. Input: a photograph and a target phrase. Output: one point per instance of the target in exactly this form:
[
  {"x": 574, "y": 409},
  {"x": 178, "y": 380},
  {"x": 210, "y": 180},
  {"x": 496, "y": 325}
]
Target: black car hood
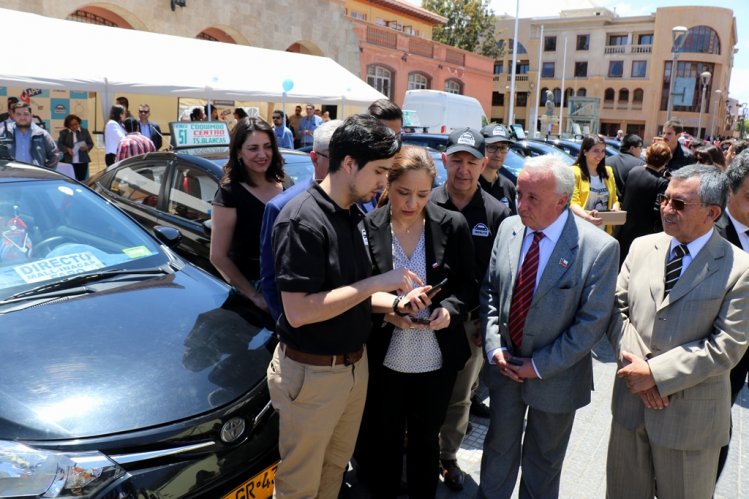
[{"x": 137, "y": 356}]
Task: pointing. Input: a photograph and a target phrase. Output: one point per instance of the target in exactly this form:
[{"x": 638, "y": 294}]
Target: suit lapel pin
[
  {"x": 435, "y": 265},
  {"x": 563, "y": 262}
]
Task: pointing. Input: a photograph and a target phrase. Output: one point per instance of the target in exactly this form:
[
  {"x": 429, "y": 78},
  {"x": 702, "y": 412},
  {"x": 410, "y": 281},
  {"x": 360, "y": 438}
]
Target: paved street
[{"x": 584, "y": 474}]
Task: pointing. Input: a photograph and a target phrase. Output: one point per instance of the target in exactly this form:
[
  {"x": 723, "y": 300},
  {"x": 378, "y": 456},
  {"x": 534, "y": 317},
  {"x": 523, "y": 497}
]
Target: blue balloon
[{"x": 287, "y": 85}]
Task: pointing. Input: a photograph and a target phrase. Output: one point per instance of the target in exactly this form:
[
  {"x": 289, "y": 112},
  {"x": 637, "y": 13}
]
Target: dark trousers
[
  {"x": 109, "y": 159},
  {"x": 738, "y": 380},
  {"x": 81, "y": 171},
  {"x": 399, "y": 401}
]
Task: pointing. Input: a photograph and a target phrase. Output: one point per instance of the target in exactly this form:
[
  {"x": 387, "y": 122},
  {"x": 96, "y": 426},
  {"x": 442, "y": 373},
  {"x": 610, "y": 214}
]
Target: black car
[
  {"x": 126, "y": 371},
  {"x": 175, "y": 189},
  {"x": 532, "y": 149},
  {"x": 572, "y": 147}
]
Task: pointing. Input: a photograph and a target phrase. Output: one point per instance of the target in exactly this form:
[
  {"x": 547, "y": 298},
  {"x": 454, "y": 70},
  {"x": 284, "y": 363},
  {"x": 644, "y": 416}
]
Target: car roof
[{"x": 14, "y": 171}]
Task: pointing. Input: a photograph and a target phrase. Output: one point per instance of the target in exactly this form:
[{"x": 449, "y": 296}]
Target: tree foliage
[{"x": 470, "y": 25}]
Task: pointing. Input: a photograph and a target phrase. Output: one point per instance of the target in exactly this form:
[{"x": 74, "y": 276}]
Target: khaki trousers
[
  {"x": 320, "y": 409},
  {"x": 637, "y": 469},
  {"x": 456, "y": 420}
]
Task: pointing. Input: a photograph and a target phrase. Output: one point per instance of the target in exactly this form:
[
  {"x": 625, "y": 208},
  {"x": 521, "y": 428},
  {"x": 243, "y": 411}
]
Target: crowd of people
[{"x": 393, "y": 298}]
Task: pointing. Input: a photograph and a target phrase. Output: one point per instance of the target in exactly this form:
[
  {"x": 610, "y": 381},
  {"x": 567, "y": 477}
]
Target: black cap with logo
[
  {"x": 496, "y": 133},
  {"x": 468, "y": 140}
]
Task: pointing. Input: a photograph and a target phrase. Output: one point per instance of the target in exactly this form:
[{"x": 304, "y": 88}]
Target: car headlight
[{"x": 29, "y": 472}]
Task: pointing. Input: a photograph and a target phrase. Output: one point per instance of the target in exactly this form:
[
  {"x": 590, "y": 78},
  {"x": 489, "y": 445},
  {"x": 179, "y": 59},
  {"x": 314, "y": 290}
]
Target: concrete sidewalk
[{"x": 584, "y": 473}]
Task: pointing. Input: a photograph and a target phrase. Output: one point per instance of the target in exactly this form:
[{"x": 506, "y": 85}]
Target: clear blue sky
[{"x": 739, "y": 88}]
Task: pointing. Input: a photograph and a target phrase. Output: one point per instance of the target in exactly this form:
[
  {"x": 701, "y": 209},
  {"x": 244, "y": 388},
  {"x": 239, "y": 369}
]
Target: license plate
[{"x": 259, "y": 486}]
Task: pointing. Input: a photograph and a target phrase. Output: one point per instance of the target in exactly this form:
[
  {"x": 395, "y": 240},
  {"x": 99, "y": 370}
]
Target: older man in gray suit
[
  {"x": 682, "y": 297},
  {"x": 545, "y": 302}
]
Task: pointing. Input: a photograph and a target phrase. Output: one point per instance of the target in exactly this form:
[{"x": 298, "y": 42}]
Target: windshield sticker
[
  {"x": 137, "y": 252},
  {"x": 58, "y": 266}
]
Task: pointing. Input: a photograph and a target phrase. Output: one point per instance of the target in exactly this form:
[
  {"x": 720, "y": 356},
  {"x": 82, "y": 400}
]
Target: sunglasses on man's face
[
  {"x": 143, "y": 111},
  {"x": 676, "y": 204},
  {"x": 276, "y": 117}
]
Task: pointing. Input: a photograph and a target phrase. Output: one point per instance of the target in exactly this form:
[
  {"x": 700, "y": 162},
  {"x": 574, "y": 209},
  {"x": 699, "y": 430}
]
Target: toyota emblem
[{"x": 232, "y": 430}]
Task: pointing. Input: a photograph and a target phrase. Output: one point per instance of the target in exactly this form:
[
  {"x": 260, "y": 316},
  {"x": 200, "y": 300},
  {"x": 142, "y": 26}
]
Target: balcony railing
[
  {"x": 455, "y": 57},
  {"x": 627, "y": 49},
  {"x": 518, "y": 77},
  {"x": 382, "y": 37},
  {"x": 422, "y": 47}
]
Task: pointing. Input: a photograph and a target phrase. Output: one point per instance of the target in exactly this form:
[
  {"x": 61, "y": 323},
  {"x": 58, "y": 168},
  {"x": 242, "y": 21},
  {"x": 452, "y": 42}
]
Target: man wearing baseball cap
[
  {"x": 464, "y": 161},
  {"x": 498, "y": 141}
]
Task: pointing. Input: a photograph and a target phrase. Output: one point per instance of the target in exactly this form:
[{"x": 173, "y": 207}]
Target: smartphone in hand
[
  {"x": 419, "y": 320},
  {"x": 435, "y": 289},
  {"x": 514, "y": 361}
]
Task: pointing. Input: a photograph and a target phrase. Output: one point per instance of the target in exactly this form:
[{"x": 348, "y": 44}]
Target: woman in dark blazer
[
  {"x": 71, "y": 135},
  {"x": 413, "y": 364},
  {"x": 644, "y": 183}
]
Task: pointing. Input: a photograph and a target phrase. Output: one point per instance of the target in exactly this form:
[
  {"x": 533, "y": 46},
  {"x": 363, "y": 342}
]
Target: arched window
[
  {"x": 637, "y": 97},
  {"x": 417, "y": 81},
  {"x": 624, "y": 95},
  {"x": 381, "y": 79},
  {"x": 703, "y": 40},
  {"x": 521, "y": 48},
  {"x": 453, "y": 86},
  {"x": 543, "y": 95},
  {"x": 570, "y": 92},
  {"x": 608, "y": 98},
  {"x": 581, "y": 92}
]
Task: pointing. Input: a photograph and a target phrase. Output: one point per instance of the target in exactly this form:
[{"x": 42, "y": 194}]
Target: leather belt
[{"x": 314, "y": 359}]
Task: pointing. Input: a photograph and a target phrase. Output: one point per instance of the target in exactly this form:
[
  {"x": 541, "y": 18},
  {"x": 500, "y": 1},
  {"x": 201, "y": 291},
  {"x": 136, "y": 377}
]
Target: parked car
[
  {"x": 533, "y": 149},
  {"x": 572, "y": 147},
  {"x": 175, "y": 189},
  {"x": 127, "y": 372}
]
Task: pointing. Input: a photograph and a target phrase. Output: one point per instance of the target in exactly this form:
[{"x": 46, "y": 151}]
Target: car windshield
[{"x": 51, "y": 230}]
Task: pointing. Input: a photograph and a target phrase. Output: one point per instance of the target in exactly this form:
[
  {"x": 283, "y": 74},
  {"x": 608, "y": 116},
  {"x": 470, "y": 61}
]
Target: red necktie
[{"x": 522, "y": 296}]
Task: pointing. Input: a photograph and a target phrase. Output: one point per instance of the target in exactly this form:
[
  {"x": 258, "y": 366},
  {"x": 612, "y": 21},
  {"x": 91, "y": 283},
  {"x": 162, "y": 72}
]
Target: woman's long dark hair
[
  {"x": 588, "y": 142},
  {"x": 234, "y": 170}
]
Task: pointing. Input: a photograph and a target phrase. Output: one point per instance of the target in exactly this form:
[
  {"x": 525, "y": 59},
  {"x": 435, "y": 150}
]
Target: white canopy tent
[{"x": 168, "y": 65}]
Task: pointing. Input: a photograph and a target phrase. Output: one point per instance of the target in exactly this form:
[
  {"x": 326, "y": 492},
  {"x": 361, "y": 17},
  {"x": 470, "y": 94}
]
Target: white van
[{"x": 434, "y": 111}]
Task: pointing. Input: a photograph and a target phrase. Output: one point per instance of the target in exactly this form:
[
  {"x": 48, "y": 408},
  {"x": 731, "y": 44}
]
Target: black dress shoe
[{"x": 479, "y": 409}]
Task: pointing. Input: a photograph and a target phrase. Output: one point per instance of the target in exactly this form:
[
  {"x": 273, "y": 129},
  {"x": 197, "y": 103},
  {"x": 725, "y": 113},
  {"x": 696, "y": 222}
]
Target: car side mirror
[
  {"x": 170, "y": 236},
  {"x": 208, "y": 225}
]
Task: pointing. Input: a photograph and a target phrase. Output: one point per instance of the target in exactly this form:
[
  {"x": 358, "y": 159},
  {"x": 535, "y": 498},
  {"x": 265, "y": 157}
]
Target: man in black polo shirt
[
  {"x": 498, "y": 141},
  {"x": 464, "y": 161},
  {"x": 318, "y": 376}
]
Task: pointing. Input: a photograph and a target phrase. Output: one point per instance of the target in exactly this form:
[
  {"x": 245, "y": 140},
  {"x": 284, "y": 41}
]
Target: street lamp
[
  {"x": 678, "y": 35},
  {"x": 714, "y": 112},
  {"x": 705, "y": 82}
]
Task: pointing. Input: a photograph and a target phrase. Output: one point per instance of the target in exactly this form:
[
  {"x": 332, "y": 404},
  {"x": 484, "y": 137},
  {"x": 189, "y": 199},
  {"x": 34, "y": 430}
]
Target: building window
[
  {"x": 557, "y": 97},
  {"x": 583, "y": 42},
  {"x": 608, "y": 98},
  {"x": 417, "y": 81},
  {"x": 453, "y": 87},
  {"x": 581, "y": 69},
  {"x": 498, "y": 99},
  {"x": 381, "y": 79},
  {"x": 547, "y": 70},
  {"x": 639, "y": 69},
  {"x": 617, "y": 39},
  {"x": 581, "y": 92},
  {"x": 358, "y": 15},
  {"x": 521, "y": 99},
  {"x": 498, "y": 68},
  {"x": 522, "y": 68},
  {"x": 623, "y": 96},
  {"x": 510, "y": 45},
  {"x": 646, "y": 39},
  {"x": 543, "y": 95},
  {"x": 702, "y": 40},
  {"x": 637, "y": 97},
  {"x": 550, "y": 44},
  {"x": 616, "y": 69}
]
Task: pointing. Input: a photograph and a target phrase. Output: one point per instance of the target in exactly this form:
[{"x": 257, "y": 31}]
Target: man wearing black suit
[
  {"x": 628, "y": 158},
  {"x": 733, "y": 225},
  {"x": 148, "y": 128}
]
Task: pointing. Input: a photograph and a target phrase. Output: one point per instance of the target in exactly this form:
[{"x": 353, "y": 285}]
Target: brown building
[{"x": 624, "y": 65}]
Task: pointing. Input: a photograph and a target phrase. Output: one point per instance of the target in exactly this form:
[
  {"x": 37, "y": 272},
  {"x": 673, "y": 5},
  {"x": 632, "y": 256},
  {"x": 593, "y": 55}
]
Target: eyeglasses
[
  {"x": 495, "y": 148},
  {"x": 143, "y": 111},
  {"x": 676, "y": 204},
  {"x": 323, "y": 154}
]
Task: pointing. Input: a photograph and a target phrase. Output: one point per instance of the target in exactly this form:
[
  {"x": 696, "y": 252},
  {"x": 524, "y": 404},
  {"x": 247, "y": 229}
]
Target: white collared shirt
[
  {"x": 741, "y": 230},
  {"x": 694, "y": 248}
]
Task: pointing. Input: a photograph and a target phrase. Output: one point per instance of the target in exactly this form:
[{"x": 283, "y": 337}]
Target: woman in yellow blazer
[{"x": 595, "y": 187}]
